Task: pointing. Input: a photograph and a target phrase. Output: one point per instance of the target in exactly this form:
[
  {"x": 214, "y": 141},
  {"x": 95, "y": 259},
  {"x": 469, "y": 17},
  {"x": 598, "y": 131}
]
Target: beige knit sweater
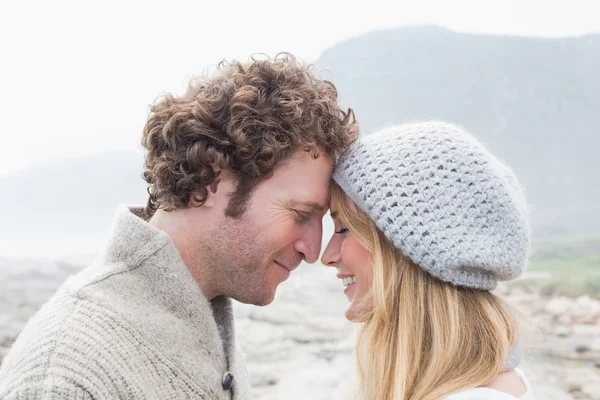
[{"x": 135, "y": 325}]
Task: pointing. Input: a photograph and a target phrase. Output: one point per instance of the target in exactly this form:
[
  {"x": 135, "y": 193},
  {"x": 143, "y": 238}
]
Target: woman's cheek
[{"x": 356, "y": 257}]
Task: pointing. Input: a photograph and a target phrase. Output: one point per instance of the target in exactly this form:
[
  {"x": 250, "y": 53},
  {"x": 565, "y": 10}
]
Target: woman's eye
[{"x": 342, "y": 231}]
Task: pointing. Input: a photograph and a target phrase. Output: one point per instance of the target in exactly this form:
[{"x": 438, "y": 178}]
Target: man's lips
[{"x": 289, "y": 269}]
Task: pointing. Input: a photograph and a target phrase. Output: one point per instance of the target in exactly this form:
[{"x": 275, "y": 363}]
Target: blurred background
[{"x": 78, "y": 78}]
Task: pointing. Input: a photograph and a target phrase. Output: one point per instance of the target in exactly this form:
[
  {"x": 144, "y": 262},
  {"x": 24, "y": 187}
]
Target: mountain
[
  {"x": 533, "y": 102},
  {"x": 65, "y": 207}
]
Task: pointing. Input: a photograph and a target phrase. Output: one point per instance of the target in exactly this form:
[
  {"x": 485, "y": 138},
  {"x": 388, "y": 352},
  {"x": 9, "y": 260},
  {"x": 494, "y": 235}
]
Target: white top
[{"x": 493, "y": 394}]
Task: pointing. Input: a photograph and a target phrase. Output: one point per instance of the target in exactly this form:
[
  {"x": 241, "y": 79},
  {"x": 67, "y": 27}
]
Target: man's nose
[
  {"x": 310, "y": 245},
  {"x": 309, "y": 249}
]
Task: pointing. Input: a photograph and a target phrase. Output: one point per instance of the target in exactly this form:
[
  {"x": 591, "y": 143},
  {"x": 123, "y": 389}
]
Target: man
[{"x": 238, "y": 171}]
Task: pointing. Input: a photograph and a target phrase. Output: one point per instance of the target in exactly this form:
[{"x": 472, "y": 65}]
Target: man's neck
[{"x": 176, "y": 230}]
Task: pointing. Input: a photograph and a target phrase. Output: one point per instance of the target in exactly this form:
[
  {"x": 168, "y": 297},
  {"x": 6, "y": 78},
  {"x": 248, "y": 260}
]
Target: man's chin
[{"x": 258, "y": 300}]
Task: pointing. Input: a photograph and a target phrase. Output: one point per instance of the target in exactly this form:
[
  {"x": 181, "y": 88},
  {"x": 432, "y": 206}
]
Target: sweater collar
[
  {"x": 159, "y": 284},
  {"x": 133, "y": 239}
]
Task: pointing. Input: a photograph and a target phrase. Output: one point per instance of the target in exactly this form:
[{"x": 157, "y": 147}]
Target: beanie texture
[{"x": 442, "y": 199}]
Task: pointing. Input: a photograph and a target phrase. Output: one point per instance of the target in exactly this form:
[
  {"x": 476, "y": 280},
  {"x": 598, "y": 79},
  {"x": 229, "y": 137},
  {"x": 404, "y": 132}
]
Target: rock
[
  {"x": 586, "y": 330},
  {"x": 582, "y": 348},
  {"x": 312, "y": 379},
  {"x": 595, "y": 345},
  {"x": 544, "y": 323},
  {"x": 503, "y": 289},
  {"x": 565, "y": 319},
  {"x": 586, "y": 310},
  {"x": 591, "y": 391},
  {"x": 562, "y": 331},
  {"x": 588, "y": 303},
  {"x": 584, "y": 383},
  {"x": 573, "y": 386},
  {"x": 559, "y": 306},
  {"x": 545, "y": 392},
  {"x": 584, "y": 319}
]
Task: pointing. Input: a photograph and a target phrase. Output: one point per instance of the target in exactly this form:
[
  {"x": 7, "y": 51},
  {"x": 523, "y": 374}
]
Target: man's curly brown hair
[{"x": 246, "y": 119}]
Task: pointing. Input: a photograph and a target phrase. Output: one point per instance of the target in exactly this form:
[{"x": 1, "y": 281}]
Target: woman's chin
[
  {"x": 351, "y": 313},
  {"x": 357, "y": 308}
]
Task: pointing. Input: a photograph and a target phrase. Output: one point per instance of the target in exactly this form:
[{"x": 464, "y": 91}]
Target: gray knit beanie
[{"x": 442, "y": 199}]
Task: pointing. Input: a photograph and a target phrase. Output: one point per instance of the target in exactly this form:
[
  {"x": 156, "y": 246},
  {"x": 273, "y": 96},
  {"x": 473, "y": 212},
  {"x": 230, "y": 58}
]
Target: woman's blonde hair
[{"x": 420, "y": 338}]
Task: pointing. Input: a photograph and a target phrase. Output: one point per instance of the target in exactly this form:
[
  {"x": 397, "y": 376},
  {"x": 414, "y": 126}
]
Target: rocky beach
[{"x": 300, "y": 347}]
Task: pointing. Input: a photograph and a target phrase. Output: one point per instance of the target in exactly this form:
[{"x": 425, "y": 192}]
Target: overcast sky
[{"x": 77, "y": 78}]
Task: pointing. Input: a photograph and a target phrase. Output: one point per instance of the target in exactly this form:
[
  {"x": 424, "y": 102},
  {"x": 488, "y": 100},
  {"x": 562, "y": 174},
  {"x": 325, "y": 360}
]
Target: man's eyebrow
[{"x": 312, "y": 204}]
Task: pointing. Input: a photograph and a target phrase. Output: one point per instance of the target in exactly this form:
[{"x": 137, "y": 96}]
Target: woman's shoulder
[
  {"x": 480, "y": 394},
  {"x": 493, "y": 394}
]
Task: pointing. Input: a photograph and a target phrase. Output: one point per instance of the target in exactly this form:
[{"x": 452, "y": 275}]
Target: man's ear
[
  {"x": 213, "y": 191},
  {"x": 219, "y": 190}
]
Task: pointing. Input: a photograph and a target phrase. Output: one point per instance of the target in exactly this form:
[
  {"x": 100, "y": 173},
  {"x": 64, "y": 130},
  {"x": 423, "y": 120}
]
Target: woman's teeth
[{"x": 348, "y": 281}]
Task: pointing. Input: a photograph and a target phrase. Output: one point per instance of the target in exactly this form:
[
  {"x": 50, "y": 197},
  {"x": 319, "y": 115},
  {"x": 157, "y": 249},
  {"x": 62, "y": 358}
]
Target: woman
[{"x": 426, "y": 222}]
